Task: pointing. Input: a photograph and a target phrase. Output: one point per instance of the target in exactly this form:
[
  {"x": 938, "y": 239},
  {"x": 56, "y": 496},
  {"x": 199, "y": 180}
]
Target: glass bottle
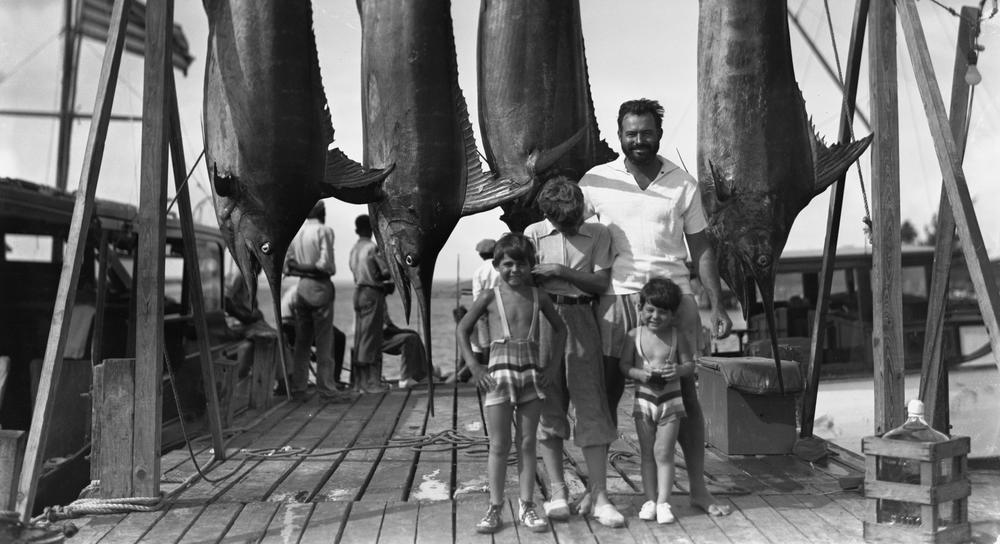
[{"x": 907, "y": 471}]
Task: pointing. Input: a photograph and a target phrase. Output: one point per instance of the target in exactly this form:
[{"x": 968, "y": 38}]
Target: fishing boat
[
  {"x": 34, "y": 225},
  {"x": 845, "y": 399}
]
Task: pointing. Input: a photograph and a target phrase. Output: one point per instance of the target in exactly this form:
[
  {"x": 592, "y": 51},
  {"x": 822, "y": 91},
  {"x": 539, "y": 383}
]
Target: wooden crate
[{"x": 935, "y": 490}]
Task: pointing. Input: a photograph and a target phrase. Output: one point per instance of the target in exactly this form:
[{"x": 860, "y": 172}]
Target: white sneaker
[
  {"x": 663, "y": 513},
  {"x": 648, "y": 511},
  {"x": 556, "y": 510},
  {"x": 608, "y": 516},
  {"x": 407, "y": 383}
]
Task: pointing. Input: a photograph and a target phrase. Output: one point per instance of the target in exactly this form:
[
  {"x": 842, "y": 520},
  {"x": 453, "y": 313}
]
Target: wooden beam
[
  {"x": 950, "y": 162},
  {"x": 887, "y": 313},
  {"x": 846, "y": 134},
  {"x": 97, "y": 337},
  {"x": 70, "y": 275},
  {"x": 150, "y": 257},
  {"x": 195, "y": 292},
  {"x": 56, "y": 115},
  {"x": 933, "y": 374},
  {"x": 67, "y": 95}
]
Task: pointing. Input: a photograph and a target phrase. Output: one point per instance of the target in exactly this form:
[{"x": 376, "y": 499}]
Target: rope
[
  {"x": 445, "y": 440},
  {"x": 946, "y": 8},
  {"x": 867, "y": 220},
  {"x": 186, "y": 178},
  {"x": 87, "y": 507},
  {"x": 6, "y": 74},
  {"x": 187, "y": 440},
  {"x": 34, "y": 531}
]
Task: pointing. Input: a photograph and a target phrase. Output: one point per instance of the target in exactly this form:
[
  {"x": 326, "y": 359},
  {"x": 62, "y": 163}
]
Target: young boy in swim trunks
[
  {"x": 514, "y": 380},
  {"x": 656, "y": 356}
]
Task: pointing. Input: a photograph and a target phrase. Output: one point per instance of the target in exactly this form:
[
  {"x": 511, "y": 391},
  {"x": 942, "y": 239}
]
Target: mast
[{"x": 67, "y": 97}]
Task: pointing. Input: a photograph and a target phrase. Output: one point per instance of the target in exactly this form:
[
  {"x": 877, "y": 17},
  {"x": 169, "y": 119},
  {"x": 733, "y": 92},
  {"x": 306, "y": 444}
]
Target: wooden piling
[
  {"x": 887, "y": 323},
  {"x": 116, "y": 435},
  {"x": 152, "y": 240},
  {"x": 265, "y": 348},
  {"x": 11, "y": 454}
]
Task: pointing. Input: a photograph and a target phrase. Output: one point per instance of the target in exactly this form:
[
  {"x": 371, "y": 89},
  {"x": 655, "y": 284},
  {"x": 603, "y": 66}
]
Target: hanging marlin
[
  {"x": 535, "y": 109},
  {"x": 267, "y": 132},
  {"x": 415, "y": 116},
  {"x": 759, "y": 159}
]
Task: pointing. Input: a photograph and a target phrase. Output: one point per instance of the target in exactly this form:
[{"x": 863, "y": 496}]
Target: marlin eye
[
  {"x": 265, "y": 248},
  {"x": 763, "y": 261}
]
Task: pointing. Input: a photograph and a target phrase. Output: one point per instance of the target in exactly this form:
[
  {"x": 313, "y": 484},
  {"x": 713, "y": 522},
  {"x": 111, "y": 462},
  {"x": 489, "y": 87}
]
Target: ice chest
[{"x": 745, "y": 413}]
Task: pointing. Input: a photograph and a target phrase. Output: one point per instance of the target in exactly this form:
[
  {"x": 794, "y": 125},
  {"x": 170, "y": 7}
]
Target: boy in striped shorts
[
  {"x": 656, "y": 356},
  {"x": 514, "y": 381}
]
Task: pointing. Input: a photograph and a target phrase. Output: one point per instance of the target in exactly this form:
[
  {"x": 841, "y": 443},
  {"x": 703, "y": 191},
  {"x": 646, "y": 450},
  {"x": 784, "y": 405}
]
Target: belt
[{"x": 565, "y": 299}]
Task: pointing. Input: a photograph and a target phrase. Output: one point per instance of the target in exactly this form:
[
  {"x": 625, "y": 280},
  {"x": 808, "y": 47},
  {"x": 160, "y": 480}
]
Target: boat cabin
[{"x": 847, "y": 348}]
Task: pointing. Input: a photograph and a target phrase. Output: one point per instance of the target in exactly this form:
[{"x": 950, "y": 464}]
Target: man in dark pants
[
  {"x": 310, "y": 256},
  {"x": 370, "y": 273}
]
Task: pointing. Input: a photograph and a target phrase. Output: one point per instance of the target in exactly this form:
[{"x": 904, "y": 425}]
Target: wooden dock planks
[
  {"x": 172, "y": 526},
  {"x": 388, "y": 481},
  {"x": 132, "y": 528},
  {"x": 358, "y": 496},
  {"x": 353, "y": 473},
  {"x": 433, "y": 464},
  {"x": 435, "y": 522},
  {"x": 251, "y": 523},
  {"x": 400, "y": 522},
  {"x": 288, "y": 523},
  {"x": 94, "y": 528},
  {"x": 365, "y": 521},
  {"x": 326, "y": 523},
  {"x": 209, "y": 525}
]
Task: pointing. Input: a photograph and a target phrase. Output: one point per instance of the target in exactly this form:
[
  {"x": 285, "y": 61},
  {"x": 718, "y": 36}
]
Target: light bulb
[{"x": 972, "y": 75}]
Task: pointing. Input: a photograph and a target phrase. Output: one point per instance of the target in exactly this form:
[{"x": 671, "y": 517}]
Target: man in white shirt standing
[
  {"x": 310, "y": 256},
  {"x": 652, "y": 206}
]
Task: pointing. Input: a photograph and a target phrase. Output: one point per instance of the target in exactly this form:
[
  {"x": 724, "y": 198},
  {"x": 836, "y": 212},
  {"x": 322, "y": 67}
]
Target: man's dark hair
[
  {"x": 641, "y": 106},
  {"x": 363, "y": 225},
  {"x": 318, "y": 211},
  {"x": 561, "y": 201},
  {"x": 516, "y": 246},
  {"x": 662, "y": 293}
]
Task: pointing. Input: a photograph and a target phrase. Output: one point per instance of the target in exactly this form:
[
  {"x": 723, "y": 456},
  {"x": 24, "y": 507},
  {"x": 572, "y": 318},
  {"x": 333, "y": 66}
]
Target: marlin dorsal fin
[
  {"x": 830, "y": 162},
  {"x": 347, "y": 180},
  {"x": 489, "y": 192}
]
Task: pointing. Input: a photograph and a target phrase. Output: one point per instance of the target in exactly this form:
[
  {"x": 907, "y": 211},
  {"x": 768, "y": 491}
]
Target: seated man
[
  {"x": 407, "y": 344},
  {"x": 245, "y": 319}
]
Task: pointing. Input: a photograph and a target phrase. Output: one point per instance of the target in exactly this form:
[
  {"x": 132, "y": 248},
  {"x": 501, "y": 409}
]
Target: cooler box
[{"x": 745, "y": 414}]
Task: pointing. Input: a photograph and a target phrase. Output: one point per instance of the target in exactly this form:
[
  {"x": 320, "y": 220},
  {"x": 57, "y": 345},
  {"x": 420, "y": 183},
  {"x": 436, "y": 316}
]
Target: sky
[{"x": 651, "y": 54}]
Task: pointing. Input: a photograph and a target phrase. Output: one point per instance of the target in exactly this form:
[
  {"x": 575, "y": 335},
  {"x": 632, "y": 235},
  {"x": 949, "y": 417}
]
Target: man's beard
[{"x": 651, "y": 152}]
